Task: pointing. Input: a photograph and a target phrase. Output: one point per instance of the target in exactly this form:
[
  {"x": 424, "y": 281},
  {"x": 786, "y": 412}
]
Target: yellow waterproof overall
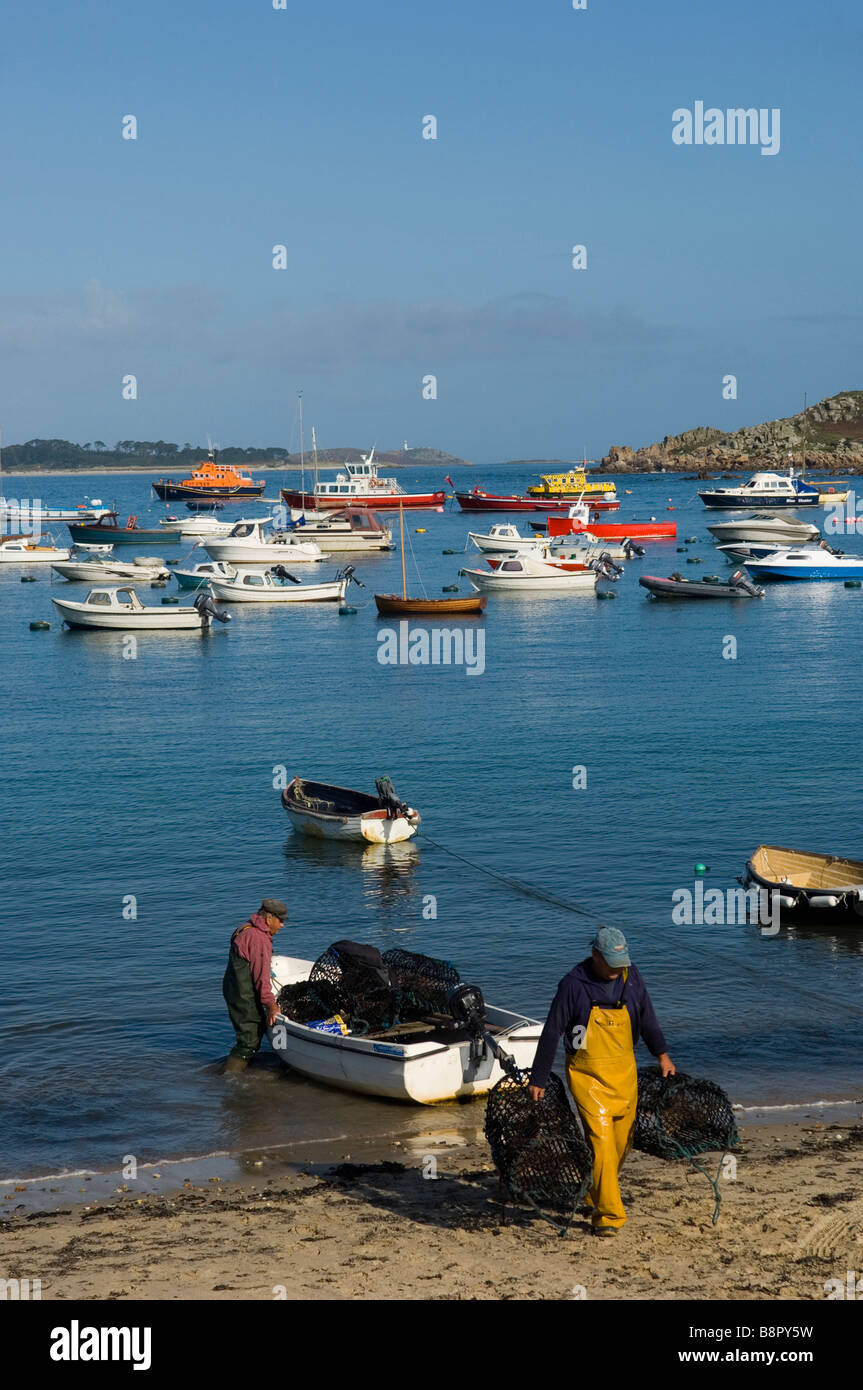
[{"x": 603, "y": 1078}]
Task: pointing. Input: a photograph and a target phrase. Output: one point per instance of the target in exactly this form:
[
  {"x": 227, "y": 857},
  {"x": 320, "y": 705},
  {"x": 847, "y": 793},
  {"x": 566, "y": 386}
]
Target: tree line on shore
[{"x": 61, "y": 453}]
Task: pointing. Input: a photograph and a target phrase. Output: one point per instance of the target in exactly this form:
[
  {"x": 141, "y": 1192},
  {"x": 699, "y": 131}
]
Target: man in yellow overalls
[{"x": 601, "y": 1008}]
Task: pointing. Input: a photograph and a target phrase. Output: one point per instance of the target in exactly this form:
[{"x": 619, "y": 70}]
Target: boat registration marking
[{"x": 390, "y": 1051}]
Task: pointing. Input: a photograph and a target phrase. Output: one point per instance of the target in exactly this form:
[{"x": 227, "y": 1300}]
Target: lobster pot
[
  {"x": 537, "y": 1146},
  {"x": 680, "y": 1116},
  {"x": 423, "y": 984},
  {"x": 372, "y": 991}
]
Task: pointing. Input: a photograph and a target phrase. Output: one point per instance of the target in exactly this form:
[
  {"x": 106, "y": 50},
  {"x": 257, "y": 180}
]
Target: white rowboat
[{"x": 409, "y": 1065}]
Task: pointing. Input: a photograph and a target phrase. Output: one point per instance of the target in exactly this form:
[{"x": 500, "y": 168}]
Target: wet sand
[{"x": 378, "y": 1225}]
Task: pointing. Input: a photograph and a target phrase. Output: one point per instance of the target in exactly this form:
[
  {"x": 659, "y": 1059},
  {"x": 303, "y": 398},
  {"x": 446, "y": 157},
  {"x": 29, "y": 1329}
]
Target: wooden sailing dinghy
[{"x": 395, "y": 605}]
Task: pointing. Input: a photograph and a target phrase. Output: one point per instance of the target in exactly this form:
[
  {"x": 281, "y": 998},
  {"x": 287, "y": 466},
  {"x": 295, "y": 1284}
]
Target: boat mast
[
  {"x": 302, "y": 457},
  {"x": 402, "y": 538},
  {"x": 315, "y": 448}
]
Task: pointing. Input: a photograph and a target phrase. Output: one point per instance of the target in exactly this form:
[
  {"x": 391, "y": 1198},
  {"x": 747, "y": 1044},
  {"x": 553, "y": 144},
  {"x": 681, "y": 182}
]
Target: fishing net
[
  {"x": 537, "y": 1147},
  {"x": 681, "y": 1116},
  {"x": 372, "y": 992}
]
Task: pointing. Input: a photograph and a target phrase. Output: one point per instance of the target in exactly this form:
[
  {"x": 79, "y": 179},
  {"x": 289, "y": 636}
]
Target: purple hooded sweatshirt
[{"x": 254, "y": 943}]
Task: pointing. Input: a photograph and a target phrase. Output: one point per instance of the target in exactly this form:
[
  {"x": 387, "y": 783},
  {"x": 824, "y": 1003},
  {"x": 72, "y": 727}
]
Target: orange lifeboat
[{"x": 211, "y": 479}]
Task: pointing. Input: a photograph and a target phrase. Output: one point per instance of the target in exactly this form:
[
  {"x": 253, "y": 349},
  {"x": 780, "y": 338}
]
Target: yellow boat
[{"x": 571, "y": 484}]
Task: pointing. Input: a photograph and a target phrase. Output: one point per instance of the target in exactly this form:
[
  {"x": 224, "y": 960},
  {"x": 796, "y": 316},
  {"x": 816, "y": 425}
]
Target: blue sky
[{"x": 409, "y": 257}]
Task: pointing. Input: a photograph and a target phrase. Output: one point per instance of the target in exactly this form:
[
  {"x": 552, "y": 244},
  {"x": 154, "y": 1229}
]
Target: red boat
[
  {"x": 478, "y": 501},
  {"x": 358, "y": 485},
  {"x": 614, "y": 530}
]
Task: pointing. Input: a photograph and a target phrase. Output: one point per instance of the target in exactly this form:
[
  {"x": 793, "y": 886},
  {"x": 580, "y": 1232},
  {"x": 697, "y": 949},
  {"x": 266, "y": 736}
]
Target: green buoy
[
  {"x": 449, "y": 589},
  {"x": 28, "y": 579},
  {"x": 40, "y": 627},
  {"x": 852, "y": 583},
  {"x": 170, "y": 598},
  {"x": 605, "y": 593},
  {"x": 681, "y": 550},
  {"x": 449, "y": 552},
  {"x": 691, "y": 540},
  {"x": 158, "y": 584},
  {"x": 701, "y": 868},
  {"x": 346, "y": 609}
]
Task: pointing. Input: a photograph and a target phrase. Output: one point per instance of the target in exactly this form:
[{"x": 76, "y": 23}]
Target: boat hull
[
  {"x": 234, "y": 592},
  {"x": 730, "y": 500},
  {"x": 614, "y": 530},
  {"x": 490, "y": 502},
  {"x": 379, "y": 501},
  {"x": 154, "y": 620},
  {"x": 261, "y": 556},
  {"x": 493, "y": 582},
  {"x": 374, "y": 829},
  {"x": 120, "y": 535},
  {"x": 170, "y": 491},
  {"x": 393, "y": 605},
  {"x": 685, "y": 589}
]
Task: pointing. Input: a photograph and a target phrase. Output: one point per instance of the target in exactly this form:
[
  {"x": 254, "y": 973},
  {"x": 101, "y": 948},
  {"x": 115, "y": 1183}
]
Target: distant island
[
  {"x": 828, "y": 435},
  {"x": 143, "y": 455}
]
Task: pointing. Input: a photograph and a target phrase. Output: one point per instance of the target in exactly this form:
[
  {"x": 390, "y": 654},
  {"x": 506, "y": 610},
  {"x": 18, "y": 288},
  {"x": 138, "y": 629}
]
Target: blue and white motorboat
[
  {"x": 807, "y": 562},
  {"x": 765, "y": 490},
  {"x": 199, "y": 576}
]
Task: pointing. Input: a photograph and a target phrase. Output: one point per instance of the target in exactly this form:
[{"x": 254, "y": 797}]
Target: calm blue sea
[{"x": 153, "y": 779}]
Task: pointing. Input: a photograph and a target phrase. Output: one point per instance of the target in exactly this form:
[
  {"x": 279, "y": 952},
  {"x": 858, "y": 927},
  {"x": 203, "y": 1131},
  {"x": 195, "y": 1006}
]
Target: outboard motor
[
  {"x": 605, "y": 567},
  {"x": 208, "y": 608},
  {"x": 632, "y": 549},
  {"x": 281, "y": 573},
  {"x": 740, "y": 580},
  {"x": 467, "y": 1007},
  {"x": 392, "y": 803},
  {"x": 348, "y": 574}
]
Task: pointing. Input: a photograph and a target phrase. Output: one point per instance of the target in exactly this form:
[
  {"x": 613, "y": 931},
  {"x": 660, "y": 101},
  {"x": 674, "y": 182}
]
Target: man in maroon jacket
[{"x": 247, "y": 988}]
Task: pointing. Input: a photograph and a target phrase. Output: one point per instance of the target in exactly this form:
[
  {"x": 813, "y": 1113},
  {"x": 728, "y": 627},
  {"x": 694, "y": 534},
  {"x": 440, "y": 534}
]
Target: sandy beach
[{"x": 375, "y": 1227}]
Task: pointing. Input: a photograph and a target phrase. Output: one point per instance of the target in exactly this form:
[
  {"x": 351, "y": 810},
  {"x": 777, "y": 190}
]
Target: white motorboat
[
  {"x": 269, "y": 586},
  {"x": 807, "y": 562},
  {"x": 506, "y": 539},
  {"x": 527, "y": 574},
  {"x": 142, "y": 569},
  {"x": 199, "y": 576},
  {"x": 340, "y": 813},
  {"x": 352, "y": 529},
  {"x": 247, "y": 544},
  {"x": 764, "y": 490},
  {"x": 425, "y": 1062},
  {"x": 502, "y": 539},
  {"x": 30, "y": 517},
  {"x": 119, "y": 609},
  {"x": 201, "y": 524},
  {"x": 18, "y": 550},
  {"x": 784, "y": 530}
]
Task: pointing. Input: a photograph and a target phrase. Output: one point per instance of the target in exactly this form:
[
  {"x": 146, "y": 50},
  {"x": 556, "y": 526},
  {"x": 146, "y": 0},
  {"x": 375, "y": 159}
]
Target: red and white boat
[
  {"x": 577, "y": 522},
  {"x": 478, "y": 501},
  {"x": 358, "y": 485}
]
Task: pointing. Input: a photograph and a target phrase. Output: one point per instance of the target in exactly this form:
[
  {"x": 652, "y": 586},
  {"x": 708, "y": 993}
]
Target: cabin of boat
[{"x": 571, "y": 484}]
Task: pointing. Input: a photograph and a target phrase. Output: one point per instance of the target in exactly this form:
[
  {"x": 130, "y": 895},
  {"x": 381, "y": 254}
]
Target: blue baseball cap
[{"x": 611, "y": 945}]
